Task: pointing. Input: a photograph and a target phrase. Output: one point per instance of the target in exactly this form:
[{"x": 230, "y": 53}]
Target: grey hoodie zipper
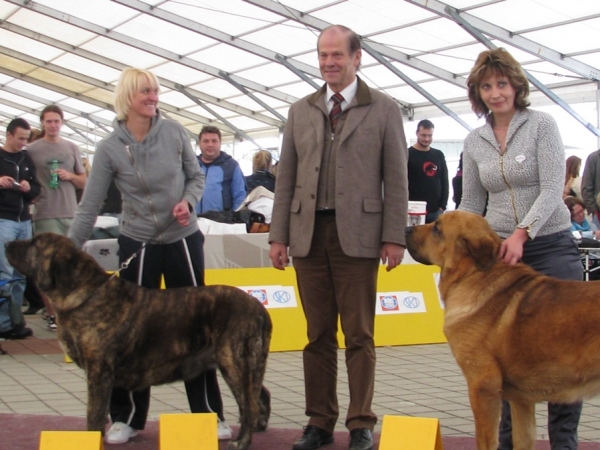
[{"x": 145, "y": 186}]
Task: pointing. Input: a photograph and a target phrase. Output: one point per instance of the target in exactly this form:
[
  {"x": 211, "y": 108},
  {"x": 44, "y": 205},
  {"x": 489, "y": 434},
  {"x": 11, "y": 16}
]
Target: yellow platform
[
  {"x": 410, "y": 433},
  {"x": 71, "y": 440},
  {"x": 289, "y": 325},
  {"x": 188, "y": 431}
]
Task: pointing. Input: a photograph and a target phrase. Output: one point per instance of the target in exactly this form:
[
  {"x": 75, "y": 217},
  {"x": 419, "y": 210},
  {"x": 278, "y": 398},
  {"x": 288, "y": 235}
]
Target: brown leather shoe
[
  {"x": 313, "y": 438},
  {"x": 361, "y": 439}
]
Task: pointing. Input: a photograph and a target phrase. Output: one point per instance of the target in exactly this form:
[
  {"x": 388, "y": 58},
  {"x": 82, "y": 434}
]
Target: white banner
[
  {"x": 400, "y": 303},
  {"x": 273, "y": 296}
]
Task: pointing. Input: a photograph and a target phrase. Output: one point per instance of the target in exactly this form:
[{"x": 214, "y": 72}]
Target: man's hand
[
  {"x": 78, "y": 180},
  {"x": 279, "y": 255},
  {"x": 64, "y": 175},
  {"x": 392, "y": 254},
  {"x": 181, "y": 212},
  {"x": 24, "y": 186},
  {"x": 6, "y": 182}
]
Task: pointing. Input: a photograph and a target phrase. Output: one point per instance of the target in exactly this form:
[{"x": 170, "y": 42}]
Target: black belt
[{"x": 325, "y": 212}]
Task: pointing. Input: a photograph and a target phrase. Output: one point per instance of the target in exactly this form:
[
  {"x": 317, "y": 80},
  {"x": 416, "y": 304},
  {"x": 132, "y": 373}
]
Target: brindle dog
[{"x": 124, "y": 335}]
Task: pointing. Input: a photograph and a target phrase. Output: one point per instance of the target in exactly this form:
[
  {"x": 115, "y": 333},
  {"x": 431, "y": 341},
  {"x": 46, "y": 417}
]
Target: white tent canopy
[{"x": 240, "y": 64}]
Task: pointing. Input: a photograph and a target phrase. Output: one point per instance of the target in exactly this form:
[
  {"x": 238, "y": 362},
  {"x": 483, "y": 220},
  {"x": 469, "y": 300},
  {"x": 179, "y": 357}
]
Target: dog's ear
[
  {"x": 62, "y": 273},
  {"x": 43, "y": 275},
  {"x": 483, "y": 249}
]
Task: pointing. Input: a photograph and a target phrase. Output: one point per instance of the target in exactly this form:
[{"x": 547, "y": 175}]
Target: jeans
[{"x": 12, "y": 231}]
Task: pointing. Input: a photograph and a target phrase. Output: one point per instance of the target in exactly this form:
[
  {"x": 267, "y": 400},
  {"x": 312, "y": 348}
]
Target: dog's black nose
[{"x": 408, "y": 231}]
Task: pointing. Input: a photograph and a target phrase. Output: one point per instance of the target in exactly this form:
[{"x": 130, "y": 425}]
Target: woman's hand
[
  {"x": 511, "y": 249},
  {"x": 181, "y": 212}
]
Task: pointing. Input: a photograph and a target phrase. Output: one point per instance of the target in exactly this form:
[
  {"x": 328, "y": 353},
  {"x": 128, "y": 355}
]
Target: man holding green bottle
[{"x": 60, "y": 172}]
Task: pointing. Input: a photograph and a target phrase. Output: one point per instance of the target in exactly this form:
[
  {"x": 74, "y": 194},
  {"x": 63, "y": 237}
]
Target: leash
[{"x": 125, "y": 264}]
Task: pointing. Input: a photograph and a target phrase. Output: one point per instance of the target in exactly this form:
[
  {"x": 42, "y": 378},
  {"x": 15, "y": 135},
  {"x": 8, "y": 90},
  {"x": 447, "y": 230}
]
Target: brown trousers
[{"x": 332, "y": 284}]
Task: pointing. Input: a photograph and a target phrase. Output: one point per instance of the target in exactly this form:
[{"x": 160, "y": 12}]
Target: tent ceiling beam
[
  {"x": 120, "y": 66},
  {"x": 414, "y": 85},
  {"x": 285, "y": 62},
  {"x": 236, "y": 130},
  {"x": 245, "y": 91},
  {"x": 68, "y": 93},
  {"x": 102, "y": 123},
  {"x": 477, "y": 34},
  {"x": 152, "y": 49},
  {"x": 213, "y": 33},
  {"x": 74, "y": 126},
  {"x": 388, "y": 52},
  {"x": 513, "y": 39}
]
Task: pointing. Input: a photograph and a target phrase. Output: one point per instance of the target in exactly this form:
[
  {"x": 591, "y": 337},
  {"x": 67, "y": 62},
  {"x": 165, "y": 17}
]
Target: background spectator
[
  {"x": 572, "y": 179},
  {"x": 225, "y": 187},
  {"x": 261, "y": 172},
  {"x": 18, "y": 187}
]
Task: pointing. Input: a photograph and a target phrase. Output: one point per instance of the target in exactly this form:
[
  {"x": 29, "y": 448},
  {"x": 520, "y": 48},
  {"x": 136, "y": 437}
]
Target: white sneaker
[
  {"x": 119, "y": 433},
  {"x": 224, "y": 431}
]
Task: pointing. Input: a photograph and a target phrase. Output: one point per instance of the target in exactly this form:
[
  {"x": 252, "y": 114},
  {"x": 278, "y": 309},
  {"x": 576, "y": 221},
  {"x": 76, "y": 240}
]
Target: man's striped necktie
[{"x": 336, "y": 111}]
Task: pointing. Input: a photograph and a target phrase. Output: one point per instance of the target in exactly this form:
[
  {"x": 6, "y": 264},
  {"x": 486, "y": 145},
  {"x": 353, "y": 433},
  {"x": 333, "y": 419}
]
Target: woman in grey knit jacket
[{"x": 517, "y": 161}]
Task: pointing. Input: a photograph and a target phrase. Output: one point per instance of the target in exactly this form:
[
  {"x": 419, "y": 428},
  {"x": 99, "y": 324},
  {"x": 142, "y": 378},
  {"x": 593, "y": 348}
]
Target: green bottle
[{"x": 53, "y": 174}]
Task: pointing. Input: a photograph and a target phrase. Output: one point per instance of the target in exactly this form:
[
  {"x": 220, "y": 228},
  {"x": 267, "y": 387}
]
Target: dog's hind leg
[
  {"x": 523, "y": 425},
  {"x": 244, "y": 396},
  {"x": 262, "y": 395},
  {"x": 236, "y": 373},
  {"x": 264, "y": 409}
]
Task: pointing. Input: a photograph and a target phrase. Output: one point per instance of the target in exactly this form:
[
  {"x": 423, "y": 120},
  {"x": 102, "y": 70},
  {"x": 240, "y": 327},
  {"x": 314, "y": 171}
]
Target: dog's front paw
[
  {"x": 261, "y": 425},
  {"x": 235, "y": 445},
  {"x": 241, "y": 444}
]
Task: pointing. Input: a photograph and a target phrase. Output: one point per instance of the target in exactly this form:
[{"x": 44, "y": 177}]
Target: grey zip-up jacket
[
  {"x": 153, "y": 176},
  {"x": 525, "y": 184}
]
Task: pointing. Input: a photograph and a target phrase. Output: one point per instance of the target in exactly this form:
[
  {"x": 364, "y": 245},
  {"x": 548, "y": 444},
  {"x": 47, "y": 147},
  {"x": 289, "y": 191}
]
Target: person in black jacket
[
  {"x": 18, "y": 187},
  {"x": 457, "y": 183},
  {"x": 427, "y": 173},
  {"x": 261, "y": 172}
]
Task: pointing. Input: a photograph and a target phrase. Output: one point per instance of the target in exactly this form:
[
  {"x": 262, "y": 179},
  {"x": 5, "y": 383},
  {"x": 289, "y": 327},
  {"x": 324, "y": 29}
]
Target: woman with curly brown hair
[{"x": 516, "y": 160}]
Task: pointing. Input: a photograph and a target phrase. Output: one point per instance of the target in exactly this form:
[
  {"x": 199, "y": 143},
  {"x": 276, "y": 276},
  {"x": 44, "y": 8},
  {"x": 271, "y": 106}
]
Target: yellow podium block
[
  {"x": 410, "y": 433},
  {"x": 188, "y": 431},
  {"x": 71, "y": 440}
]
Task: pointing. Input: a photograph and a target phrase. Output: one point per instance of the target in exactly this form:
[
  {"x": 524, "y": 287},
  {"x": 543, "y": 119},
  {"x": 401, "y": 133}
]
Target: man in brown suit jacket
[{"x": 341, "y": 202}]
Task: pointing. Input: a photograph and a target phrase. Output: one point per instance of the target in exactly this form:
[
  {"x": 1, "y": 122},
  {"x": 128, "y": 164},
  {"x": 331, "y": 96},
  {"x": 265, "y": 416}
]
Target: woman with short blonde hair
[
  {"x": 130, "y": 82},
  {"x": 153, "y": 165}
]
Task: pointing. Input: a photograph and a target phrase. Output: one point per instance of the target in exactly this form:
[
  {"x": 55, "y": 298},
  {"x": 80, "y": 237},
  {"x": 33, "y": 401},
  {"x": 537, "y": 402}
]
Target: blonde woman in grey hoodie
[{"x": 154, "y": 167}]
